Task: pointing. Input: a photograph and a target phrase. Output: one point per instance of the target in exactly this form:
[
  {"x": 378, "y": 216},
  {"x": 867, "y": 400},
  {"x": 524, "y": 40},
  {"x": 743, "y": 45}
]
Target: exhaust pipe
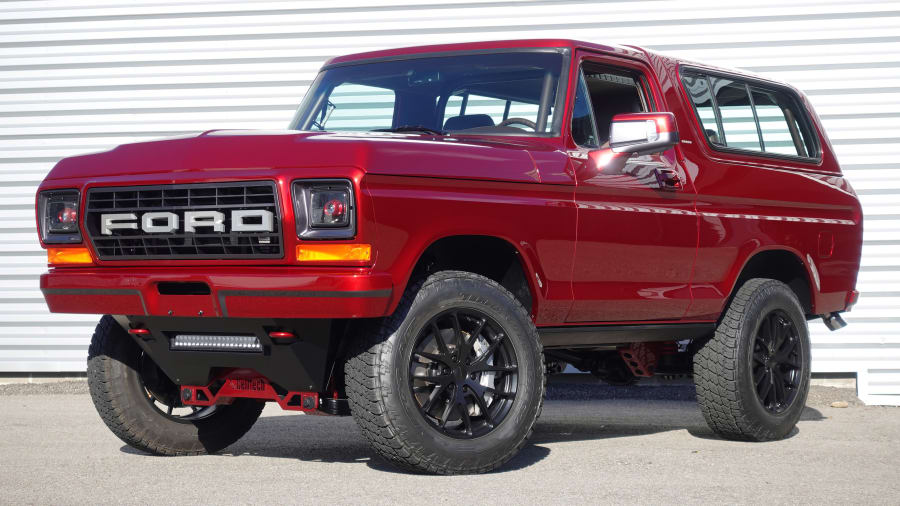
[{"x": 834, "y": 321}]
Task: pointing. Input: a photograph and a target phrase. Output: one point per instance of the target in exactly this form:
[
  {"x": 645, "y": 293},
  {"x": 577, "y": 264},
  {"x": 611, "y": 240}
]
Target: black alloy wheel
[
  {"x": 463, "y": 373},
  {"x": 776, "y": 362}
]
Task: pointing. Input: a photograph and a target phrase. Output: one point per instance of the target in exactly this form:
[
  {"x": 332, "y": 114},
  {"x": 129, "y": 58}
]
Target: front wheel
[
  {"x": 752, "y": 376},
  {"x": 142, "y": 406},
  {"x": 452, "y": 382}
]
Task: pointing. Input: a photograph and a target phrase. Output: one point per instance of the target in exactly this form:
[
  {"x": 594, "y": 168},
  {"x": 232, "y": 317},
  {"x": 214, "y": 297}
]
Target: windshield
[{"x": 509, "y": 93}]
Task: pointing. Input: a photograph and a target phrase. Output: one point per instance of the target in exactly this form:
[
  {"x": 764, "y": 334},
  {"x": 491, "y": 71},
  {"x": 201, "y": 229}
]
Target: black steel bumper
[{"x": 302, "y": 363}]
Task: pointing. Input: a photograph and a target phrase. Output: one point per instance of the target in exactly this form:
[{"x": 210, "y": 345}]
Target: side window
[
  {"x": 697, "y": 87},
  {"x": 356, "y": 107},
  {"x": 736, "y": 112},
  {"x": 612, "y": 91},
  {"x": 748, "y": 116},
  {"x": 584, "y": 132},
  {"x": 778, "y": 123}
]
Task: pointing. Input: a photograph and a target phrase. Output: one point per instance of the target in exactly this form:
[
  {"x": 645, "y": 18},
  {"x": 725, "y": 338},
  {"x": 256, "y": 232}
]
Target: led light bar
[{"x": 199, "y": 342}]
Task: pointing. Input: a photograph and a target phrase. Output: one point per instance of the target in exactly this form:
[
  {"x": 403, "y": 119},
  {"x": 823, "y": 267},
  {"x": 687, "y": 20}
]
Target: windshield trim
[
  {"x": 445, "y": 54},
  {"x": 562, "y": 85}
]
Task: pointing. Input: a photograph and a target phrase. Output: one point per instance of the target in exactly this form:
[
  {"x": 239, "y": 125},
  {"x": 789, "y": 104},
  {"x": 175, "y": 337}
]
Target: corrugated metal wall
[{"x": 81, "y": 76}]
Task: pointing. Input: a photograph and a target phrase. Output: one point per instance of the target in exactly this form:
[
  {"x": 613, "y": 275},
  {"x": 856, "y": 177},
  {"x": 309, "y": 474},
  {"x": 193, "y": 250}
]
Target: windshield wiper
[{"x": 411, "y": 128}]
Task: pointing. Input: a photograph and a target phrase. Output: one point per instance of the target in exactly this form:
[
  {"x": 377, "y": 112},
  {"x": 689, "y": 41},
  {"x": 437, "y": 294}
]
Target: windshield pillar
[{"x": 544, "y": 107}]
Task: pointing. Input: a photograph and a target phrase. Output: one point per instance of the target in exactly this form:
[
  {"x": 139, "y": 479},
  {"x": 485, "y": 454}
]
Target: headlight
[
  {"x": 58, "y": 214},
  {"x": 325, "y": 209}
]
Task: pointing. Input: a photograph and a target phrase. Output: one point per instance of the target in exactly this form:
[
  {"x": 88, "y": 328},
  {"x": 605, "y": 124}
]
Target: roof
[{"x": 632, "y": 51}]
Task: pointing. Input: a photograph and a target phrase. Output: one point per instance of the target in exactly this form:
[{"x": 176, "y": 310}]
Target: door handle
[{"x": 668, "y": 179}]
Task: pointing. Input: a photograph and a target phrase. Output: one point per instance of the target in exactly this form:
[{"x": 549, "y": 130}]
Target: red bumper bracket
[{"x": 246, "y": 385}]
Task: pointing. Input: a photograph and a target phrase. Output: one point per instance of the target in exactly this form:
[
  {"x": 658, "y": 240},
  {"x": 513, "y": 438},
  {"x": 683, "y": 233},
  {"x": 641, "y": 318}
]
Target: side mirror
[{"x": 643, "y": 132}]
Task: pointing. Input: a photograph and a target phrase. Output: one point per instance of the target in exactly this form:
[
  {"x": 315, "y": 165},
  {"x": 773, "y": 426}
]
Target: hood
[{"x": 373, "y": 152}]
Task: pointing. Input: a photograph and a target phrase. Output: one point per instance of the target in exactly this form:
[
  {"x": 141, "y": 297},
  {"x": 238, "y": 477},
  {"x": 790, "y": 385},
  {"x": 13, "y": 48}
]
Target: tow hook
[{"x": 834, "y": 321}]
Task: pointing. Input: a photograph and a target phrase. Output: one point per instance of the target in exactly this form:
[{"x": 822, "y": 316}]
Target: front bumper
[
  {"x": 233, "y": 292},
  {"x": 302, "y": 363}
]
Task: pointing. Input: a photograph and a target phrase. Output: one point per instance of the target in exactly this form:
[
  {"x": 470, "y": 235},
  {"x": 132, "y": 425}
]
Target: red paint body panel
[
  {"x": 599, "y": 239},
  {"x": 747, "y": 204},
  {"x": 636, "y": 241},
  {"x": 538, "y": 220}
]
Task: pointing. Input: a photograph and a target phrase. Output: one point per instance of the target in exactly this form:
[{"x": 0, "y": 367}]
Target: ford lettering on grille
[
  {"x": 196, "y": 221},
  {"x": 166, "y": 222}
]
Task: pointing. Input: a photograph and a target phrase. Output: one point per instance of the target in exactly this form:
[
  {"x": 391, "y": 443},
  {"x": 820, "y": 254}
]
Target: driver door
[{"x": 637, "y": 225}]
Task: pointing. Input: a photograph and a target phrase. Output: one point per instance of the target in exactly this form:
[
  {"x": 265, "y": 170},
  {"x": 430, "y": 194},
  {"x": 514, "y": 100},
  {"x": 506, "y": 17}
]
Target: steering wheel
[{"x": 522, "y": 121}]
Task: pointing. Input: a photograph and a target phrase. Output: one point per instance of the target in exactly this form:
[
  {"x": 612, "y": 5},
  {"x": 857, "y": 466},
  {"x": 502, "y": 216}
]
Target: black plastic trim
[
  {"x": 600, "y": 335},
  {"x": 96, "y": 291},
  {"x": 443, "y": 54},
  {"x": 300, "y": 293},
  {"x": 182, "y": 288}
]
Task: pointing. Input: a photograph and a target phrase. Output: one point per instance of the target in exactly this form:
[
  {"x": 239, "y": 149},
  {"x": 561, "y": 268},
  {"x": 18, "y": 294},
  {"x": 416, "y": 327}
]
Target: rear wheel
[
  {"x": 143, "y": 407},
  {"x": 452, "y": 382},
  {"x": 753, "y": 375}
]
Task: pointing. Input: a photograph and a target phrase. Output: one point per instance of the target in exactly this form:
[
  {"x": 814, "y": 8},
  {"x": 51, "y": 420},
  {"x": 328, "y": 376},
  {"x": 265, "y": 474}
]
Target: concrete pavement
[{"x": 592, "y": 445}]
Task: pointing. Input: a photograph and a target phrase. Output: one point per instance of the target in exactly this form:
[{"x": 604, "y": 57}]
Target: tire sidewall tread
[
  {"x": 117, "y": 394},
  {"x": 377, "y": 379},
  {"x": 723, "y": 375}
]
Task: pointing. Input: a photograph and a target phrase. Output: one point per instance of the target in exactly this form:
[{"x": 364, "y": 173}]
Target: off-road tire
[
  {"x": 381, "y": 401},
  {"x": 723, "y": 374},
  {"x": 122, "y": 402}
]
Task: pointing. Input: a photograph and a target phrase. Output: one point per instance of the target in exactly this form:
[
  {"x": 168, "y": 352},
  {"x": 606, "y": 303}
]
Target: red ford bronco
[{"x": 438, "y": 229}]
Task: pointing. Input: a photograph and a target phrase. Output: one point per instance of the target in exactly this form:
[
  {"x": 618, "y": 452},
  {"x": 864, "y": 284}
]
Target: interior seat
[
  {"x": 610, "y": 104},
  {"x": 467, "y": 121}
]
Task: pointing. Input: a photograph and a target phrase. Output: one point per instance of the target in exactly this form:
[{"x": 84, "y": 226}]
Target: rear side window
[
  {"x": 749, "y": 116},
  {"x": 778, "y": 123},
  {"x": 697, "y": 87},
  {"x": 736, "y": 111}
]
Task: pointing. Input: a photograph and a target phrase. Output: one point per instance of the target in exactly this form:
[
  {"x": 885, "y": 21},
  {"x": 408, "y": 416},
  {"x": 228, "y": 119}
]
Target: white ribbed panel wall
[{"x": 81, "y": 76}]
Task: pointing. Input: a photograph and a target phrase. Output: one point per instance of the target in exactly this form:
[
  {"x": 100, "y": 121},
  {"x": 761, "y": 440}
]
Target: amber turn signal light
[
  {"x": 334, "y": 252},
  {"x": 68, "y": 256}
]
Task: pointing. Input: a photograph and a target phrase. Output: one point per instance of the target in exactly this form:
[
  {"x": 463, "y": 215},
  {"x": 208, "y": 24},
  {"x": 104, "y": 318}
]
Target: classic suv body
[
  {"x": 425, "y": 244},
  {"x": 642, "y": 254}
]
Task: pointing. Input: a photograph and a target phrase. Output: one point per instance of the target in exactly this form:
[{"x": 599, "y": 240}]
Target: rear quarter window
[
  {"x": 733, "y": 103},
  {"x": 781, "y": 130},
  {"x": 746, "y": 115}
]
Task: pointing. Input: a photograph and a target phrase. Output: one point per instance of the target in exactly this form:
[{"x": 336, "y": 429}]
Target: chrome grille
[{"x": 204, "y": 243}]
